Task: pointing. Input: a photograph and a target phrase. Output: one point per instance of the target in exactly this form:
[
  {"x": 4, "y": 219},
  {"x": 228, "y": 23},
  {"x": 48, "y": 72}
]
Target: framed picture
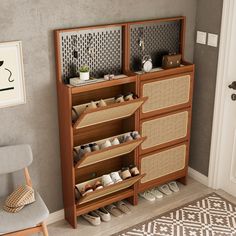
[{"x": 12, "y": 85}]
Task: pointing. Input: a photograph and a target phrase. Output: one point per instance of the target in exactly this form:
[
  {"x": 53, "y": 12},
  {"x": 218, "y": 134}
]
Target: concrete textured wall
[
  {"x": 33, "y": 22},
  {"x": 205, "y": 58}
]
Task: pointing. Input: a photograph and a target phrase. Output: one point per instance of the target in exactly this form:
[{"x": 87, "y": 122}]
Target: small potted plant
[{"x": 84, "y": 72}]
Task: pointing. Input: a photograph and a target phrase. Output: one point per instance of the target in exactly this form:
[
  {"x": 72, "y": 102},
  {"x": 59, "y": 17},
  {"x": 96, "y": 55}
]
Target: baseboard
[
  {"x": 55, "y": 216},
  {"x": 198, "y": 176}
]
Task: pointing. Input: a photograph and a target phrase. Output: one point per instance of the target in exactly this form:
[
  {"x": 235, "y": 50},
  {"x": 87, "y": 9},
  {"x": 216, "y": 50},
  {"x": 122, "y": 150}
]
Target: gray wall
[
  {"x": 205, "y": 57},
  {"x": 33, "y": 22}
]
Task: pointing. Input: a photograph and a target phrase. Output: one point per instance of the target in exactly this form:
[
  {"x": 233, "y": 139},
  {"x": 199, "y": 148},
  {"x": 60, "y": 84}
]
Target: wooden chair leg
[{"x": 45, "y": 229}]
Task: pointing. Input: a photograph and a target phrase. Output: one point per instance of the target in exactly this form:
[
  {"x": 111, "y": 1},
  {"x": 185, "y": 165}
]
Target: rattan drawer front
[
  {"x": 166, "y": 93},
  {"x": 111, "y": 112},
  {"x": 163, "y": 163},
  {"x": 164, "y": 129}
]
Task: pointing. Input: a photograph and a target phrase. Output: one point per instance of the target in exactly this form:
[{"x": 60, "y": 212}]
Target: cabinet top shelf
[
  {"x": 103, "y": 84},
  {"x": 131, "y": 78}
]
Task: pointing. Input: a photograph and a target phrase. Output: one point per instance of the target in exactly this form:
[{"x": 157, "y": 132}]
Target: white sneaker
[
  {"x": 106, "y": 144},
  {"x": 173, "y": 186},
  {"x": 165, "y": 189},
  {"x": 157, "y": 193},
  {"x": 148, "y": 196},
  {"x": 115, "y": 141},
  {"x": 104, "y": 214},
  {"x": 101, "y": 103},
  {"x": 93, "y": 218}
]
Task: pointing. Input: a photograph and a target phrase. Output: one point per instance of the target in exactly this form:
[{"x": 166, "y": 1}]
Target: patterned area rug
[{"x": 211, "y": 215}]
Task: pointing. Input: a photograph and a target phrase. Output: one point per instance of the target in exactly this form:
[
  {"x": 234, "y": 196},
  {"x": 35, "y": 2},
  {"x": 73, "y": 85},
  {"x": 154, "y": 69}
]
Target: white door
[{"x": 222, "y": 173}]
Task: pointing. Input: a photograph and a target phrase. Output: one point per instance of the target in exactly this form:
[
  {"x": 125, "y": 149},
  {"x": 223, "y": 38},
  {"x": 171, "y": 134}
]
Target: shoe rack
[{"x": 161, "y": 113}]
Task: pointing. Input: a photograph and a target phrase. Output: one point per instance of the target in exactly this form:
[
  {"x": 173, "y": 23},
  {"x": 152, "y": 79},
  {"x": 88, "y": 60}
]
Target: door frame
[{"x": 221, "y": 89}]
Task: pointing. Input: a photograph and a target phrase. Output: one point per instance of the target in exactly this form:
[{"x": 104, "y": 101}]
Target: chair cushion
[{"x": 29, "y": 216}]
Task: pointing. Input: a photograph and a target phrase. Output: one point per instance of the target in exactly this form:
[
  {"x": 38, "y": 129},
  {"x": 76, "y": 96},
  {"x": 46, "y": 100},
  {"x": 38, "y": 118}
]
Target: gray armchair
[{"x": 31, "y": 218}]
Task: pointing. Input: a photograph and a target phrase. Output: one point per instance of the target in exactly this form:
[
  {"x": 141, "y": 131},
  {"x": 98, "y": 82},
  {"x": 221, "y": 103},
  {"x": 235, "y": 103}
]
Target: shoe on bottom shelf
[
  {"x": 173, "y": 186},
  {"x": 93, "y": 218},
  {"x": 148, "y": 196},
  {"x": 122, "y": 206},
  {"x": 155, "y": 192},
  {"x": 165, "y": 189},
  {"x": 104, "y": 214},
  {"x": 114, "y": 210}
]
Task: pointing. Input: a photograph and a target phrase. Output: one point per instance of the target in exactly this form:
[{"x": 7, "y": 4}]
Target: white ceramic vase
[{"x": 84, "y": 75}]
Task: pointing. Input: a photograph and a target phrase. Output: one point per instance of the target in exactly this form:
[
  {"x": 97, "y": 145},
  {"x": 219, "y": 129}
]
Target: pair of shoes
[
  {"x": 128, "y": 172},
  {"x": 130, "y": 136},
  {"x": 158, "y": 193},
  {"x": 88, "y": 188},
  {"x": 151, "y": 195},
  {"x": 94, "y": 105},
  {"x": 95, "y": 217},
  {"x": 89, "y": 147},
  {"x": 78, "y": 154},
  {"x": 111, "y": 178},
  {"x": 118, "y": 209},
  {"x": 109, "y": 143},
  {"x": 168, "y": 188},
  {"x": 128, "y": 97},
  {"x": 118, "y": 176}
]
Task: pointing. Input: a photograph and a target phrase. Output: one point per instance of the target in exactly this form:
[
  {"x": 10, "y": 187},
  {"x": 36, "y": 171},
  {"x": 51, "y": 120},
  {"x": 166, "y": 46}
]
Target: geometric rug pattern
[{"x": 211, "y": 215}]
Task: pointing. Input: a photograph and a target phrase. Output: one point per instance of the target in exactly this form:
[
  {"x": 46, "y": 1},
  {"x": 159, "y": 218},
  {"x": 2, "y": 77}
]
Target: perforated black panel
[
  {"x": 100, "y": 49},
  {"x": 159, "y": 39}
]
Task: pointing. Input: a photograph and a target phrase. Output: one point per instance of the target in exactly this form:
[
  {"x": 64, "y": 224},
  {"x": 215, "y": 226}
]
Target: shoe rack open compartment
[
  {"x": 103, "y": 131},
  {"x": 112, "y": 111},
  {"x": 84, "y": 177},
  {"x": 104, "y": 114},
  {"x": 109, "y": 152},
  {"x": 99, "y": 134},
  {"x": 124, "y": 184},
  {"x": 103, "y": 201}
]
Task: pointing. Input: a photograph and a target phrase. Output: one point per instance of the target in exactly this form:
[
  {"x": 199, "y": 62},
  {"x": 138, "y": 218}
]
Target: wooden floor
[{"x": 143, "y": 211}]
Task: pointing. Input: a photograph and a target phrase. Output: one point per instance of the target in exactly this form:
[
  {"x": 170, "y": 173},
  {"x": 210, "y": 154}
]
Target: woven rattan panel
[
  {"x": 100, "y": 49},
  {"x": 109, "y": 114},
  {"x": 163, "y": 163},
  {"x": 159, "y": 38},
  {"x": 165, "y": 129},
  {"x": 166, "y": 93}
]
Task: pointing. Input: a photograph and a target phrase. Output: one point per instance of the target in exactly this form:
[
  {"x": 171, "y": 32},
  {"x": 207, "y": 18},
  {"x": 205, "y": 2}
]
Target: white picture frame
[{"x": 12, "y": 82}]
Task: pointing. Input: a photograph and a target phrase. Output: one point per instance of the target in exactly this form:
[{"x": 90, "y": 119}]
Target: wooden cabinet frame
[{"x": 67, "y": 97}]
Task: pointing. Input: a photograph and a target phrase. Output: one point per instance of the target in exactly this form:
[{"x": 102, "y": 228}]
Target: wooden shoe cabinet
[{"x": 161, "y": 113}]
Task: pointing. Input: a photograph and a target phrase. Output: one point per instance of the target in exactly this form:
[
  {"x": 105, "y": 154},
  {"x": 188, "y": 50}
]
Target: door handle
[
  {"x": 233, "y": 97},
  {"x": 233, "y": 85}
]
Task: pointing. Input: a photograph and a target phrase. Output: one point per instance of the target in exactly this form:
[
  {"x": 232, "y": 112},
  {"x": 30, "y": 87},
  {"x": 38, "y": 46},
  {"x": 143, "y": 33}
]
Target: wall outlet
[
  {"x": 212, "y": 40},
  {"x": 201, "y": 37}
]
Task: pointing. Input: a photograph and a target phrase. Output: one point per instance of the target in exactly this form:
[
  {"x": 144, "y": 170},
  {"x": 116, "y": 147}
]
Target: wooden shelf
[
  {"x": 104, "y": 201},
  {"x": 108, "y": 153},
  {"x": 107, "y": 190},
  {"x": 105, "y": 84},
  {"x": 188, "y": 67},
  {"x": 109, "y": 113}
]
